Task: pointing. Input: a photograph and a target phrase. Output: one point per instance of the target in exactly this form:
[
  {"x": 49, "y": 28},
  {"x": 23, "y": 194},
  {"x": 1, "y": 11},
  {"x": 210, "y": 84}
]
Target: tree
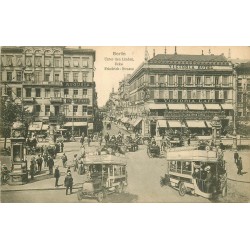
[{"x": 9, "y": 111}]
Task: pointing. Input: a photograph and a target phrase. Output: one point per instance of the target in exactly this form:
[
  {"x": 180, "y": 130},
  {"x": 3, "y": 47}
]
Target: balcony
[
  {"x": 28, "y": 99},
  {"x": 29, "y": 83},
  {"x": 56, "y": 99}
]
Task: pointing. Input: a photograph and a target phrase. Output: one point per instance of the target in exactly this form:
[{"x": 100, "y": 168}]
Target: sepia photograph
[{"x": 125, "y": 124}]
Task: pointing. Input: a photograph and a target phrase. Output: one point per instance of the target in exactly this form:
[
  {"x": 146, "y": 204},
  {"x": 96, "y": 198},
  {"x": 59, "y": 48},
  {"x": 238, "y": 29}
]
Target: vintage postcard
[{"x": 125, "y": 124}]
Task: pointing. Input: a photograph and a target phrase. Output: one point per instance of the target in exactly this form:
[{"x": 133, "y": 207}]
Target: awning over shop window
[
  {"x": 45, "y": 127},
  {"x": 29, "y": 108},
  {"x": 125, "y": 120},
  {"x": 213, "y": 106},
  {"x": 131, "y": 122},
  {"x": 175, "y": 124},
  {"x": 90, "y": 125},
  {"x": 162, "y": 123},
  {"x": 195, "y": 106},
  {"x": 76, "y": 124},
  {"x": 35, "y": 126},
  {"x": 137, "y": 121},
  {"x": 227, "y": 106},
  {"x": 179, "y": 106},
  {"x": 196, "y": 124},
  {"x": 209, "y": 124},
  {"x": 157, "y": 106}
]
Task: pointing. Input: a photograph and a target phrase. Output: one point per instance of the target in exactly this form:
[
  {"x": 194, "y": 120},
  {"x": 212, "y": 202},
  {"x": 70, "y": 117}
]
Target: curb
[{"x": 238, "y": 180}]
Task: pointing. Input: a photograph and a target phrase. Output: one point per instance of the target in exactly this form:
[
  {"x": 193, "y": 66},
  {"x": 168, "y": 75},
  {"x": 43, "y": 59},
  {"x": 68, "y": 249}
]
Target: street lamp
[
  {"x": 73, "y": 138},
  {"x": 235, "y": 110}
]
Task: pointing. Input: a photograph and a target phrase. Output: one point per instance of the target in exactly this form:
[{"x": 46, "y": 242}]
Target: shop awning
[
  {"x": 35, "y": 126},
  {"x": 124, "y": 119},
  {"x": 131, "y": 122},
  {"x": 45, "y": 127},
  {"x": 157, "y": 106},
  {"x": 175, "y": 124},
  {"x": 137, "y": 121},
  {"x": 76, "y": 124},
  {"x": 29, "y": 108},
  {"x": 209, "y": 124},
  {"x": 227, "y": 106},
  {"x": 195, "y": 106},
  {"x": 162, "y": 123},
  {"x": 179, "y": 106},
  {"x": 213, "y": 106},
  {"x": 196, "y": 124}
]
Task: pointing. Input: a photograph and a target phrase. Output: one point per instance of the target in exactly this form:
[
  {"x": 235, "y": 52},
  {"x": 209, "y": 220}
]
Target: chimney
[
  {"x": 202, "y": 52},
  {"x": 146, "y": 54},
  {"x": 79, "y": 47},
  {"x": 175, "y": 50},
  {"x": 154, "y": 53},
  {"x": 165, "y": 51},
  {"x": 229, "y": 54},
  {"x": 209, "y": 52}
]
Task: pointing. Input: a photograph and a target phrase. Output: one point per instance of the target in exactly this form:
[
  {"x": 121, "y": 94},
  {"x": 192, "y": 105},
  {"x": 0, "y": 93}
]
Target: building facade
[
  {"x": 183, "y": 92},
  {"x": 243, "y": 91},
  {"x": 56, "y": 84}
]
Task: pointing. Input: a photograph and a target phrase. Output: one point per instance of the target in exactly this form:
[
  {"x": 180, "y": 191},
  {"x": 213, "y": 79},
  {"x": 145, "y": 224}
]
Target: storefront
[{"x": 78, "y": 127}]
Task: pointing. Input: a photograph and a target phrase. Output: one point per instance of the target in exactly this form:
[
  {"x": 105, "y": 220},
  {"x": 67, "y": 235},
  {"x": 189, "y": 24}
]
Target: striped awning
[
  {"x": 175, "y": 124},
  {"x": 157, "y": 106},
  {"x": 75, "y": 124},
  {"x": 212, "y": 106},
  {"x": 162, "y": 123},
  {"x": 196, "y": 124},
  {"x": 179, "y": 106},
  {"x": 193, "y": 106},
  {"x": 227, "y": 106}
]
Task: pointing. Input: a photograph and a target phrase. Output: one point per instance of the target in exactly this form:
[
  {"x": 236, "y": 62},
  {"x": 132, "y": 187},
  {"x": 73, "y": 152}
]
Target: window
[
  {"x": 18, "y": 92},
  {"x": 28, "y": 76},
  {"x": 28, "y": 61},
  {"x": 84, "y": 109},
  {"x": 189, "y": 94},
  {"x": 189, "y": 80},
  {"x": 171, "y": 94},
  {"x": 179, "y": 80},
  {"x": 225, "y": 80},
  {"x": 57, "y": 93},
  {"x": 225, "y": 94},
  {"x": 84, "y": 91},
  {"x": 47, "y": 75},
  {"x": 9, "y": 76},
  {"x": 47, "y": 92},
  {"x": 239, "y": 98},
  {"x": 38, "y": 108},
  {"x": 9, "y": 91},
  {"x": 19, "y": 61},
  {"x": 198, "y": 94},
  {"x": 67, "y": 63},
  {"x": 66, "y": 91},
  {"x": 66, "y": 109},
  {"x": 38, "y": 61},
  {"x": 198, "y": 80},
  {"x": 47, "y": 62},
  {"x": 38, "y": 76},
  {"x": 66, "y": 77},
  {"x": 75, "y": 109},
  {"x": 171, "y": 80},
  {"x": 161, "y": 79},
  {"x": 56, "y": 77},
  {"x": 75, "y": 76},
  {"x": 152, "y": 79},
  {"x": 47, "y": 109},
  {"x": 216, "y": 80},
  {"x": 208, "y": 80},
  {"x": 216, "y": 95},
  {"x": 57, "y": 62},
  {"x": 208, "y": 95},
  {"x": 179, "y": 94},
  {"x": 75, "y": 63},
  {"x": 75, "y": 92},
  {"x": 19, "y": 76},
  {"x": 84, "y": 76},
  {"x": 28, "y": 92},
  {"x": 90, "y": 112},
  {"x": 38, "y": 92},
  {"x": 9, "y": 61},
  {"x": 84, "y": 63}
]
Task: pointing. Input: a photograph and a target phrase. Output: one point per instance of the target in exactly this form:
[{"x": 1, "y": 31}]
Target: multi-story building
[
  {"x": 172, "y": 91},
  {"x": 53, "y": 83},
  {"x": 123, "y": 92},
  {"x": 243, "y": 91}
]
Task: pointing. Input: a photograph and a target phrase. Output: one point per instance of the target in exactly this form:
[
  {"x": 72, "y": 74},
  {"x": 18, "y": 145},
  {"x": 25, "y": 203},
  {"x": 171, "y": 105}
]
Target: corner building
[
  {"x": 52, "y": 83},
  {"x": 182, "y": 92}
]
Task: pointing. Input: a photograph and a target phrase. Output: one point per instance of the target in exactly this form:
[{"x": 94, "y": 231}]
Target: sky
[{"x": 109, "y": 59}]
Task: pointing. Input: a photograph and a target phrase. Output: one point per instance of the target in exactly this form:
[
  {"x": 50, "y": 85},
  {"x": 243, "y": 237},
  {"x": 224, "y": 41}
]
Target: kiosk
[{"x": 19, "y": 172}]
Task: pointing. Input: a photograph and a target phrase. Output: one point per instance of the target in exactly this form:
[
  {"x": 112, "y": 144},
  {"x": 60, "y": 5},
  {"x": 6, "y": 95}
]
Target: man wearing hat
[
  {"x": 68, "y": 183},
  {"x": 57, "y": 175},
  {"x": 236, "y": 156},
  {"x": 50, "y": 164}
]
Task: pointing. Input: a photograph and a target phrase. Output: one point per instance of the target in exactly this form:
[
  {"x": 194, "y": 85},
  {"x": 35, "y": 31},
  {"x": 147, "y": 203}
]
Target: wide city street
[{"x": 144, "y": 174}]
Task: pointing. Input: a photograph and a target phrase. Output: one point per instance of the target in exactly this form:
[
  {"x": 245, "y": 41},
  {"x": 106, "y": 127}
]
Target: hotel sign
[{"x": 78, "y": 101}]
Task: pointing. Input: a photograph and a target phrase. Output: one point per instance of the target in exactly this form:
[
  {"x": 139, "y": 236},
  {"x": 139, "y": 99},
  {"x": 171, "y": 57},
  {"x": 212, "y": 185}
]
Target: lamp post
[
  {"x": 235, "y": 111},
  {"x": 73, "y": 138}
]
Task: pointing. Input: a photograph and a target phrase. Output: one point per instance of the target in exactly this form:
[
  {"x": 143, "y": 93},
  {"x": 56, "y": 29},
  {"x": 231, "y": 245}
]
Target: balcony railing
[
  {"x": 53, "y": 83},
  {"x": 28, "y": 99},
  {"x": 56, "y": 99}
]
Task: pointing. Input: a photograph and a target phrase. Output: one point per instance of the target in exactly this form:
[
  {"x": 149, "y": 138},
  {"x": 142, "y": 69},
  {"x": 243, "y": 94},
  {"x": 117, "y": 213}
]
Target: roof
[
  {"x": 193, "y": 155},
  {"x": 243, "y": 68},
  {"x": 105, "y": 159},
  {"x": 180, "y": 58}
]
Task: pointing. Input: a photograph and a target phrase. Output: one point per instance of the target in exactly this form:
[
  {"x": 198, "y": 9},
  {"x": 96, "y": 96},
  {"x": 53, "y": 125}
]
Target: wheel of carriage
[
  {"x": 100, "y": 196},
  {"x": 182, "y": 189},
  {"x": 224, "y": 191},
  {"x": 148, "y": 151}
]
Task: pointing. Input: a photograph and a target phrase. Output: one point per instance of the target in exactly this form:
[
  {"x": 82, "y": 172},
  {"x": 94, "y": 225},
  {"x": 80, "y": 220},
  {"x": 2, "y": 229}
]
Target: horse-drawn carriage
[
  {"x": 153, "y": 150},
  {"x": 131, "y": 144}
]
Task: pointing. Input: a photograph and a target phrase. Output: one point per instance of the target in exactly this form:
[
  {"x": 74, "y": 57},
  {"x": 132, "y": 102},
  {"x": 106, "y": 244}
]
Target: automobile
[
  {"x": 195, "y": 171},
  {"x": 106, "y": 174},
  {"x": 153, "y": 150},
  {"x": 174, "y": 140},
  {"x": 131, "y": 144}
]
